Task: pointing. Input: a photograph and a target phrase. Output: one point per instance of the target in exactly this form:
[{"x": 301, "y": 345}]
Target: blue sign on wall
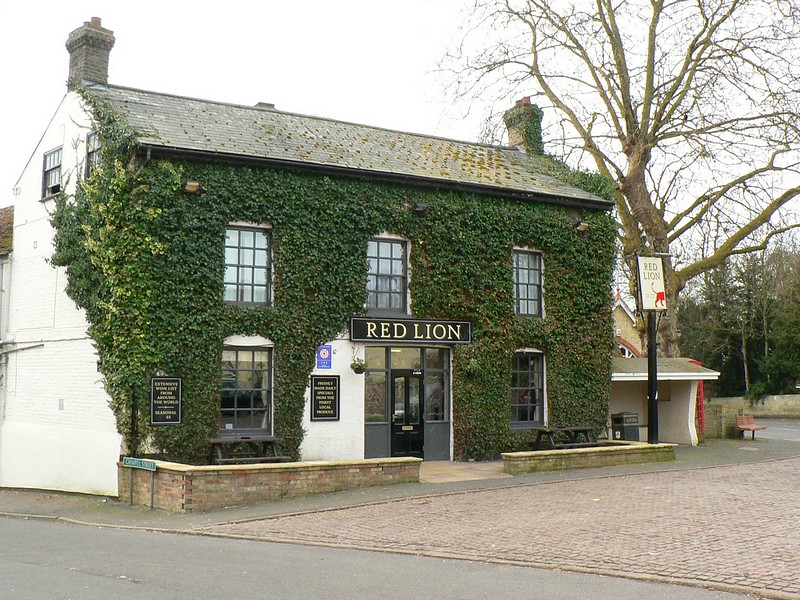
[{"x": 324, "y": 357}]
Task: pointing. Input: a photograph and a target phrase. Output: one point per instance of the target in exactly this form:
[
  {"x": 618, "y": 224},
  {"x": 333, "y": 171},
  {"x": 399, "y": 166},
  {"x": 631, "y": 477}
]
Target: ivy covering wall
[{"x": 145, "y": 260}]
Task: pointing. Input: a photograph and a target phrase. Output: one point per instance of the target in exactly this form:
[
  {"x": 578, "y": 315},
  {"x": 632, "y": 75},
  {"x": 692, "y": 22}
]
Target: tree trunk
[
  {"x": 634, "y": 190},
  {"x": 744, "y": 361}
]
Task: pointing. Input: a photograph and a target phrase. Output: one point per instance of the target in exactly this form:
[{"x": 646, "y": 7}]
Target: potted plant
[{"x": 358, "y": 365}]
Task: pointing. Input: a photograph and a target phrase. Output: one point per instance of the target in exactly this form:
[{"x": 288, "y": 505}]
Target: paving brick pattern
[{"x": 732, "y": 527}]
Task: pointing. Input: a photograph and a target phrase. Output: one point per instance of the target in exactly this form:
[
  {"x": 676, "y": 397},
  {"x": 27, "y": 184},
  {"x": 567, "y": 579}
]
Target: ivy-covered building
[{"x": 354, "y": 291}]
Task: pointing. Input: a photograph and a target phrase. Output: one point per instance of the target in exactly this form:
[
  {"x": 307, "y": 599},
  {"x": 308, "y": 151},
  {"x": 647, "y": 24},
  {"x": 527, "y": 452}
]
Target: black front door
[{"x": 407, "y": 425}]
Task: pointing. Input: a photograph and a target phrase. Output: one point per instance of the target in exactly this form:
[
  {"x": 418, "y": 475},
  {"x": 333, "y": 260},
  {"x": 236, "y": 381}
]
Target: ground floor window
[
  {"x": 527, "y": 390},
  {"x": 432, "y": 364},
  {"x": 246, "y": 395}
]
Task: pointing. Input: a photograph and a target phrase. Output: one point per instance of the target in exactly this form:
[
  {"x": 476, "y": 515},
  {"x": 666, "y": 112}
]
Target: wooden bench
[
  {"x": 241, "y": 448},
  {"x": 747, "y": 423}
]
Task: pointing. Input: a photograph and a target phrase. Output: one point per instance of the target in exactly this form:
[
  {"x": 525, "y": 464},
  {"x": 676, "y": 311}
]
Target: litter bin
[{"x": 625, "y": 426}]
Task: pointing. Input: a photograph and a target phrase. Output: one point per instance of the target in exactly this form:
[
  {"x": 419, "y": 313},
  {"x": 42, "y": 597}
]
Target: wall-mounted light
[
  {"x": 581, "y": 225},
  {"x": 420, "y": 208},
  {"x": 191, "y": 185}
]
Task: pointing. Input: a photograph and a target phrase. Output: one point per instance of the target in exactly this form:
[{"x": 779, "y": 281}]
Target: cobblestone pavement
[{"x": 728, "y": 527}]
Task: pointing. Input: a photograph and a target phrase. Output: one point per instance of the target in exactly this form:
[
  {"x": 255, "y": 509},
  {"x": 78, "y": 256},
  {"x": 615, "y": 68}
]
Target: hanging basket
[{"x": 358, "y": 366}]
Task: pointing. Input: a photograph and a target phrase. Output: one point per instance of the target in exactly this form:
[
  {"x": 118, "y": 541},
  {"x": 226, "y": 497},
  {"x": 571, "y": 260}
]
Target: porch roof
[{"x": 669, "y": 369}]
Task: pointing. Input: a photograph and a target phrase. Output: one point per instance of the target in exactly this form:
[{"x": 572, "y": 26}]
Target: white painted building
[{"x": 56, "y": 429}]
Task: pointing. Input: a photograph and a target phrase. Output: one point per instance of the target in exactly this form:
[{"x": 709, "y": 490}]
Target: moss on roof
[{"x": 176, "y": 123}]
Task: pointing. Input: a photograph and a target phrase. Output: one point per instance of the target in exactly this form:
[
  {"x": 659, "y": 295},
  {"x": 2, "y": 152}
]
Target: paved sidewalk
[
  {"x": 713, "y": 527},
  {"x": 723, "y": 515}
]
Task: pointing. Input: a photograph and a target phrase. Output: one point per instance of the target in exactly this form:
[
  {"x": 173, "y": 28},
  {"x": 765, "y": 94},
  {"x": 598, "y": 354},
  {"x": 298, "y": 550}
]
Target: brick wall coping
[
  {"x": 285, "y": 466},
  {"x": 610, "y": 446}
]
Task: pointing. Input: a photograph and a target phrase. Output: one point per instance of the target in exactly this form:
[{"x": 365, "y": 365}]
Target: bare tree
[{"x": 689, "y": 106}]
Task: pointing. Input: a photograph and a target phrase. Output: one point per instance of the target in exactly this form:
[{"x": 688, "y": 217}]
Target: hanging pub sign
[
  {"x": 414, "y": 331},
  {"x": 650, "y": 277},
  {"x": 324, "y": 397},
  {"x": 166, "y": 400}
]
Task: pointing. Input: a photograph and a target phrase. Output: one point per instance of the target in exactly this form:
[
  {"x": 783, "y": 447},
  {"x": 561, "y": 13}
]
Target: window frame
[
  {"x": 49, "y": 186},
  {"x": 372, "y": 307},
  {"x": 239, "y": 286},
  {"x": 526, "y": 300},
  {"x": 535, "y": 408},
  {"x": 92, "y": 152},
  {"x": 236, "y": 411},
  {"x": 378, "y": 377}
]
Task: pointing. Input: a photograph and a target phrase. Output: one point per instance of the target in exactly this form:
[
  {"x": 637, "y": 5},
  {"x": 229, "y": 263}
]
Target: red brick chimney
[
  {"x": 524, "y": 124},
  {"x": 89, "y": 47}
]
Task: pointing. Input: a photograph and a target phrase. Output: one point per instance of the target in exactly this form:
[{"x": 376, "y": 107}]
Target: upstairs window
[
  {"x": 387, "y": 276},
  {"x": 51, "y": 179},
  {"x": 528, "y": 283},
  {"x": 527, "y": 390},
  {"x": 248, "y": 266},
  {"x": 92, "y": 152}
]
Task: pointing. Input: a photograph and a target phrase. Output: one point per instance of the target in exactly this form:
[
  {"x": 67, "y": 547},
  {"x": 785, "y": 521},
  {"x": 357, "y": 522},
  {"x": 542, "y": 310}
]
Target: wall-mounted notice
[
  {"x": 324, "y": 397},
  {"x": 166, "y": 400}
]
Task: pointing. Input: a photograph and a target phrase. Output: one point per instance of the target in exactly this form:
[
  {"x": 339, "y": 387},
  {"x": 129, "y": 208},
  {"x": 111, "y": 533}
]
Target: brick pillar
[{"x": 89, "y": 48}]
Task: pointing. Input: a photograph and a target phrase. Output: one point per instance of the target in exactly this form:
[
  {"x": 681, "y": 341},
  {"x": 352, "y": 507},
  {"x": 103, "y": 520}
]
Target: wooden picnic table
[
  {"x": 244, "y": 448},
  {"x": 564, "y": 437}
]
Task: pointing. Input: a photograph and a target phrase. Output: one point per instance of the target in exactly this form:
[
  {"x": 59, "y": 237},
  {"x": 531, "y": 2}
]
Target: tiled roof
[
  {"x": 259, "y": 133},
  {"x": 635, "y": 369},
  {"x": 6, "y": 229}
]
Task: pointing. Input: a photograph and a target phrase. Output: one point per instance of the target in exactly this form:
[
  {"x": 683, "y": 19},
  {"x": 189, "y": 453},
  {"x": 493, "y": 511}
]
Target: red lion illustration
[{"x": 661, "y": 296}]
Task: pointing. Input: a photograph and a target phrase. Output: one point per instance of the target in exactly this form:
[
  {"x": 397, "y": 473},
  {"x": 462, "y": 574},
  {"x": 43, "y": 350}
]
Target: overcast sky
[{"x": 367, "y": 61}]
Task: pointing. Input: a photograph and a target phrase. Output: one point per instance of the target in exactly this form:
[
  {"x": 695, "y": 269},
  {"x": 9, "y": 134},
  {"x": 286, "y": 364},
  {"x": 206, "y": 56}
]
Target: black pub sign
[
  {"x": 414, "y": 331},
  {"x": 324, "y": 397},
  {"x": 166, "y": 400}
]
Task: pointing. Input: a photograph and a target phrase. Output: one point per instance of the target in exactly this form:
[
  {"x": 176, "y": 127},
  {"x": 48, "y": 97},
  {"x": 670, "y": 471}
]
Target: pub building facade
[
  {"x": 435, "y": 298},
  {"x": 406, "y": 383}
]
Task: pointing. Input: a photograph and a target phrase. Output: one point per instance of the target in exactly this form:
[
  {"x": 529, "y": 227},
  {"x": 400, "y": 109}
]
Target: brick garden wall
[
  {"x": 615, "y": 453},
  {"x": 721, "y": 412},
  {"x": 187, "y": 488}
]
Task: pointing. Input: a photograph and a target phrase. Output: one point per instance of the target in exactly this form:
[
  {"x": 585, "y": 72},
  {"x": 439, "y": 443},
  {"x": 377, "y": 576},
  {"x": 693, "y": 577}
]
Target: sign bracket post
[
  {"x": 652, "y": 378},
  {"x": 134, "y": 463},
  {"x": 651, "y": 298}
]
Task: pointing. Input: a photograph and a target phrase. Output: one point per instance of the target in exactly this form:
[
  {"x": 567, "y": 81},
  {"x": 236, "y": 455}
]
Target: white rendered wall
[
  {"x": 342, "y": 439},
  {"x": 629, "y": 396},
  {"x": 676, "y": 418},
  {"x": 56, "y": 429},
  {"x": 676, "y": 408}
]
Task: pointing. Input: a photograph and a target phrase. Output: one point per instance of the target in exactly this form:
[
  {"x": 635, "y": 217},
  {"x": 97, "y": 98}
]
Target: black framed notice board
[{"x": 324, "y": 397}]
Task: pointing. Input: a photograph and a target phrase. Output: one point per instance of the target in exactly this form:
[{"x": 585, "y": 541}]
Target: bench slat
[{"x": 748, "y": 423}]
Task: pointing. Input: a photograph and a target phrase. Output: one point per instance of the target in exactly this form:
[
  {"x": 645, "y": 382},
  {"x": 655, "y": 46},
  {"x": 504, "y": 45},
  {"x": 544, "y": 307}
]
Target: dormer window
[
  {"x": 51, "y": 179},
  {"x": 387, "y": 276}
]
